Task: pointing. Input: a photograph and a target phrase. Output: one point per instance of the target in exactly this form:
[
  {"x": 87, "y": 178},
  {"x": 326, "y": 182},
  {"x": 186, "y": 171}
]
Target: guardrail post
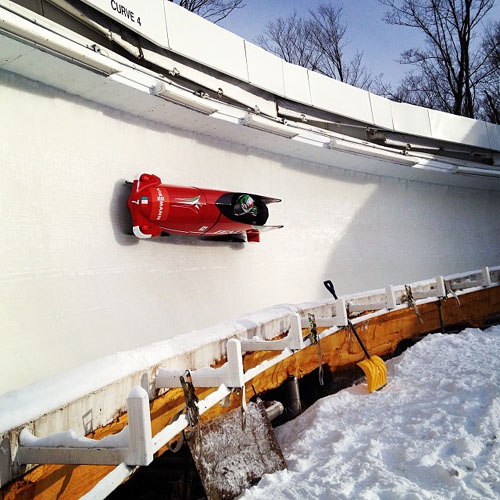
[
  {"x": 391, "y": 298},
  {"x": 235, "y": 376},
  {"x": 440, "y": 286},
  {"x": 341, "y": 313},
  {"x": 139, "y": 423},
  {"x": 486, "y": 276},
  {"x": 133, "y": 445},
  {"x": 5, "y": 462},
  {"x": 296, "y": 342}
]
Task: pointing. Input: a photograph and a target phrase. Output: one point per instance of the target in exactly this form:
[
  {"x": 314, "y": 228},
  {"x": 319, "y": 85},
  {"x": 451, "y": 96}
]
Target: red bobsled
[{"x": 159, "y": 209}]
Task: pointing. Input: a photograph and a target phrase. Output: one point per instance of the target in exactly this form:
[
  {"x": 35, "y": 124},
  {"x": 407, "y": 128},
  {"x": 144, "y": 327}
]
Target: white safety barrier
[
  {"x": 230, "y": 374},
  {"x": 293, "y": 341},
  {"x": 340, "y": 318},
  {"x": 135, "y": 446},
  {"x": 482, "y": 279},
  {"x": 437, "y": 290},
  {"x": 132, "y": 446},
  {"x": 389, "y": 303}
]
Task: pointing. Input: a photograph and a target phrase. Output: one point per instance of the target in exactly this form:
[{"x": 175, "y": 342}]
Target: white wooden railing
[{"x": 135, "y": 446}]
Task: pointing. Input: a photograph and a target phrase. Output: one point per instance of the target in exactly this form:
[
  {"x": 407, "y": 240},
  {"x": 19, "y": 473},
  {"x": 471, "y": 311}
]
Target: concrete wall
[{"x": 74, "y": 287}]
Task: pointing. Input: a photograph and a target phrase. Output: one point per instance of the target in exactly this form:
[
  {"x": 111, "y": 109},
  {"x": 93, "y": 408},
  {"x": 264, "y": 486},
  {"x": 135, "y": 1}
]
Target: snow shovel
[
  {"x": 232, "y": 458},
  {"x": 373, "y": 367}
]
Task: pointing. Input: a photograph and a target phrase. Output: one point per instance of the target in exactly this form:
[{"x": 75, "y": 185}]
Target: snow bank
[{"x": 431, "y": 433}]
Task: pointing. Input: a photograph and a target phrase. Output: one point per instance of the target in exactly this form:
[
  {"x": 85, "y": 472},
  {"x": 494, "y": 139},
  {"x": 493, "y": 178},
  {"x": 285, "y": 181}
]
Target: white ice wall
[{"x": 74, "y": 287}]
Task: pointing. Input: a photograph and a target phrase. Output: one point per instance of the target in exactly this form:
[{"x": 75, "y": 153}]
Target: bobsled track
[
  {"x": 76, "y": 122},
  {"x": 76, "y": 286}
]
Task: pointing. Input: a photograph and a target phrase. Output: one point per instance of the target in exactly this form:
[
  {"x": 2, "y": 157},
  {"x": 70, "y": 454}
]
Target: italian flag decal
[
  {"x": 144, "y": 200},
  {"x": 193, "y": 203}
]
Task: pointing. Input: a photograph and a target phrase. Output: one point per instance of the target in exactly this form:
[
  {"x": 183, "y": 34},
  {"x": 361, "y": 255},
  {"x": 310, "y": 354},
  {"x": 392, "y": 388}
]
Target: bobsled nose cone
[{"x": 143, "y": 205}]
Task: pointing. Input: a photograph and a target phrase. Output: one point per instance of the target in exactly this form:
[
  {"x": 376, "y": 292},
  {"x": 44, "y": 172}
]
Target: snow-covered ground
[{"x": 431, "y": 433}]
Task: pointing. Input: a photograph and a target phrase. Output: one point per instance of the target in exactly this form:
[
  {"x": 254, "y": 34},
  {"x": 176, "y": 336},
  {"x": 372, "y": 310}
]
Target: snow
[
  {"x": 431, "y": 433},
  {"x": 28, "y": 403},
  {"x": 70, "y": 439}
]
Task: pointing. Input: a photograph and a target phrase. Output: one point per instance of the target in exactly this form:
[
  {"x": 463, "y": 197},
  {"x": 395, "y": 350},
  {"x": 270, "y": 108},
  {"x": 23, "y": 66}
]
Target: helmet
[{"x": 244, "y": 205}]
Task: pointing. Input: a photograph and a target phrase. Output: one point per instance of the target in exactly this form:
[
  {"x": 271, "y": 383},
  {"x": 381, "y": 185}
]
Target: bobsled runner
[{"x": 159, "y": 209}]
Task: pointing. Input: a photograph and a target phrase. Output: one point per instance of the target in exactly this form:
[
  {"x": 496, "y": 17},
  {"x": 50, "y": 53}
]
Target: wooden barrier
[{"x": 381, "y": 334}]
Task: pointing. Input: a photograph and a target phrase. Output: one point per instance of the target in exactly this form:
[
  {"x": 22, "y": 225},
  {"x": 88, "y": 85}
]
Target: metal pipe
[
  {"x": 274, "y": 410},
  {"x": 292, "y": 391}
]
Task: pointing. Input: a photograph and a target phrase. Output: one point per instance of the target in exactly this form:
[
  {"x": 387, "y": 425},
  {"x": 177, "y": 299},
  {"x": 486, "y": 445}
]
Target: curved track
[{"x": 74, "y": 286}]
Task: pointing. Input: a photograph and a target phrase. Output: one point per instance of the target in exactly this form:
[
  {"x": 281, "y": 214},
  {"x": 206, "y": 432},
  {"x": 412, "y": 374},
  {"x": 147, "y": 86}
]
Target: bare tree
[
  {"x": 214, "y": 10},
  {"x": 317, "y": 43},
  {"x": 491, "y": 89},
  {"x": 451, "y": 68},
  {"x": 291, "y": 39}
]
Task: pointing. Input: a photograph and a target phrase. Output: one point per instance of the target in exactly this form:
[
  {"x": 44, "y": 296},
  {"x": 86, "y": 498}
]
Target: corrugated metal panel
[
  {"x": 340, "y": 98},
  {"x": 213, "y": 46},
  {"x": 265, "y": 70}
]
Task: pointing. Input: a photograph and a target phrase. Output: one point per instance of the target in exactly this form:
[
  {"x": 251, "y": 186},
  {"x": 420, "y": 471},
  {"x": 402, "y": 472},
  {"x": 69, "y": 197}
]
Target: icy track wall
[{"x": 75, "y": 287}]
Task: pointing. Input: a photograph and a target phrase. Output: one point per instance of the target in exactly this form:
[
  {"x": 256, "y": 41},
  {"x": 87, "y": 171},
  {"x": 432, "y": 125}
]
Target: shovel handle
[
  {"x": 329, "y": 286},
  {"x": 358, "y": 339}
]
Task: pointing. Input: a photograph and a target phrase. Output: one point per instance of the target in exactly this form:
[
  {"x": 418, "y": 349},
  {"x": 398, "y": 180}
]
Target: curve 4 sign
[{"x": 146, "y": 18}]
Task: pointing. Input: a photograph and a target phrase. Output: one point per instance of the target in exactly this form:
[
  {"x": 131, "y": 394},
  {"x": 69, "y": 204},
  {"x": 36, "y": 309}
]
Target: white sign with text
[{"x": 145, "y": 18}]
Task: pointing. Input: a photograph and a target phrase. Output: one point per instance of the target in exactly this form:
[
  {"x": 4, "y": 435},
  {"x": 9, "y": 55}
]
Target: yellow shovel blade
[{"x": 375, "y": 371}]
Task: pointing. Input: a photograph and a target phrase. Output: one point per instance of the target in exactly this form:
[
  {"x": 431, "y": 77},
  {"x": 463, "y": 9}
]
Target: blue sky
[{"x": 381, "y": 43}]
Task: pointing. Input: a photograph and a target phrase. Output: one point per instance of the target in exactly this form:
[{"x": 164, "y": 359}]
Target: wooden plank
[{"x": 381, "y": 334}]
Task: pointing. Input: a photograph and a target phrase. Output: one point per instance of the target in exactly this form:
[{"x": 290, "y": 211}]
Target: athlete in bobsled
[
  {"x": 158, "y": 209},
  {"x": 245, "y": 205}
]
